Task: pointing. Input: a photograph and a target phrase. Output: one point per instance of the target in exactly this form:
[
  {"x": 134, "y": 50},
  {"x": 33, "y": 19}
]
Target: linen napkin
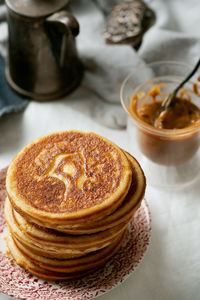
[
  {"x": 9, "y": 100},
  {"x": 174, "y": 36}
]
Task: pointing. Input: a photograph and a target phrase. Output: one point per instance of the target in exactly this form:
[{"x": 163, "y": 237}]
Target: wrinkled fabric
[
  {"x": 9, "y": 101},
  {"x": 174, "y": 36}
]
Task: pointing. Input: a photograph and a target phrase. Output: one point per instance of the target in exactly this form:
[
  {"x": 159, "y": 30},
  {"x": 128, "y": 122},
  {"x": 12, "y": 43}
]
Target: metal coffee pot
[{"x": 42, "y": 59}]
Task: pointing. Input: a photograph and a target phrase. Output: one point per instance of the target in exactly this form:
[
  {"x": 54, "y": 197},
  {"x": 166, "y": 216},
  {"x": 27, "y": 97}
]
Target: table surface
[{"x": 171, "y": 267}]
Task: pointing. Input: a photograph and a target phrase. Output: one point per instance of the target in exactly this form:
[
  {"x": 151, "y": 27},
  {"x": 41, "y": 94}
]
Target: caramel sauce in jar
[{"x": 174, "y": 138}]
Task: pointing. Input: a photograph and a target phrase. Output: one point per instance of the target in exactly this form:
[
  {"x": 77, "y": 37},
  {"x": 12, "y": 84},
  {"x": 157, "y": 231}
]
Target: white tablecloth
[{"x": 171, "y": 267}]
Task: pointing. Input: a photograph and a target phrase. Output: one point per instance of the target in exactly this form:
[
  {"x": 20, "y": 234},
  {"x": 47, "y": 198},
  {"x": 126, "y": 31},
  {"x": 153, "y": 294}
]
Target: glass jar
[{"x": 169, "y": 157}]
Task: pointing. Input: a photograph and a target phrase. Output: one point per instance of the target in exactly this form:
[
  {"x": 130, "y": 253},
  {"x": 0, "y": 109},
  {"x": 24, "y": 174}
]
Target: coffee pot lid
[{"x": 35, "y": 8}]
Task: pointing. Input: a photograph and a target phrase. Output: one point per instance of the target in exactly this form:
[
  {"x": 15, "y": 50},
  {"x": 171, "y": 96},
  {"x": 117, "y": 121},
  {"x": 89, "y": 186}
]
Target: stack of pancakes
[{"x": 70, "y": 198}]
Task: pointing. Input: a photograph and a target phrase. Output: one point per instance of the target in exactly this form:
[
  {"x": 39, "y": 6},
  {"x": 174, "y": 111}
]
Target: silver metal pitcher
[{"x": 42, "y": 59}]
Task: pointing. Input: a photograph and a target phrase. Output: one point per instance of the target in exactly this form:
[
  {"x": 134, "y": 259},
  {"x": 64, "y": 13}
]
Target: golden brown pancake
[
  {"x": 68, "y": 177},
  {"x": 42, "y": 270},
  {"x": 49, "y": 237},
  {"x": 82, "y": 263},
  {"x": 122, "y": 214},
  {"x": 61, "y": 244},
  {"x": 71, "y": 196}
]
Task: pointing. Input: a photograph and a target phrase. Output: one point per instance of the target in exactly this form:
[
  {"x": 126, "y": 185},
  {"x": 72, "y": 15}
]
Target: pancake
[
  {"x": 48, "y": 236},
  {"x": 82, "y": 263},
  {"x": 42, "y": 270},
  {"x": 55, "y": 243},
  {"x": 70, "y": 198},
  {"x": 67, "y": 178},
  {"x": 48, "y": 253},
  {"x": 122, "y": 214}
]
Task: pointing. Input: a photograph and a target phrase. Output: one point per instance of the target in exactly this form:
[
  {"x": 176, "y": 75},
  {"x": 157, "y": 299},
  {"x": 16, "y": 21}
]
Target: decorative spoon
[{"x": 171, "y": 98}]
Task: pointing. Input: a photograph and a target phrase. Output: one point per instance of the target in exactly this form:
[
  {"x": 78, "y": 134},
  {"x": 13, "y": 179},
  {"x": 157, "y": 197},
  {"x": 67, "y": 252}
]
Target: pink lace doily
[{"x": 16, "y": 282}]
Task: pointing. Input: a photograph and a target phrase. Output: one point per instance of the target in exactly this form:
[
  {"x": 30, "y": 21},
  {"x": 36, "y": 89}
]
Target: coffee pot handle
[
  {"x": 61, "y": 28},
  {"x": 64, "y": 21}
]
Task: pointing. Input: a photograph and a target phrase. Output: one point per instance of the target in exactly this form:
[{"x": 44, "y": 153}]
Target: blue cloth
[{"x": 9, "y": 100}]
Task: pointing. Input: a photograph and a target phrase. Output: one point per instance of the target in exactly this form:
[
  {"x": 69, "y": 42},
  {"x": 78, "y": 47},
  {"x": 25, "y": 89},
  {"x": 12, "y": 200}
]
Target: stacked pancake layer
[{"x": 70, "y": 198}]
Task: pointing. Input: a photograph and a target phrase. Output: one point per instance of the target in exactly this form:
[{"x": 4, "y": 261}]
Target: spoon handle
[
  {"x": 166, "y": 103},
  {"x": 187, "y": 78}
]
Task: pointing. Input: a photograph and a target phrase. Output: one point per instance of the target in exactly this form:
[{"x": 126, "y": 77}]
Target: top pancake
[
  {"x": 122, "y": 214},
  {"x": 68, "y": 175}
]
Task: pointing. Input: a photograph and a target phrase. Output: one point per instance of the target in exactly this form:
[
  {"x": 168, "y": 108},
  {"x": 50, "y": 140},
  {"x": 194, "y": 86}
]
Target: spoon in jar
[{"x": 172, "y": 97}]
